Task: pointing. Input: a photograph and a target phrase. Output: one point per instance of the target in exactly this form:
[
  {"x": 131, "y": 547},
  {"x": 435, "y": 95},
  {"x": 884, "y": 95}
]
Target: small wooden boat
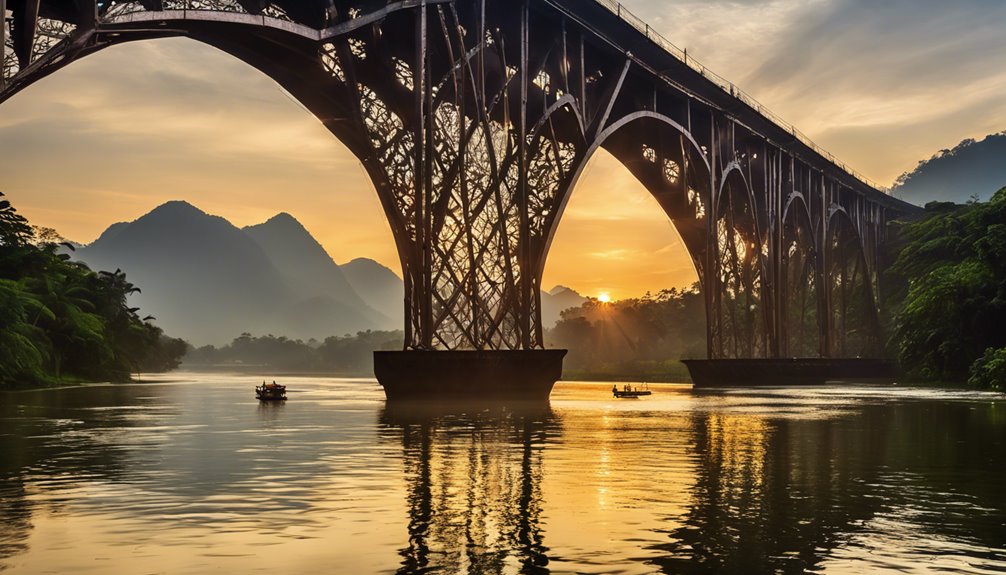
[
  {"x": 630, "y": 392},
  {"x": 270, "y": 392}
]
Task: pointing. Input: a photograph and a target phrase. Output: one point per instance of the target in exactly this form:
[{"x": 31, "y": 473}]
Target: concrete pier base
[
  {"x": 468, "y": 375},
  {"x": 786, "y": 372}
]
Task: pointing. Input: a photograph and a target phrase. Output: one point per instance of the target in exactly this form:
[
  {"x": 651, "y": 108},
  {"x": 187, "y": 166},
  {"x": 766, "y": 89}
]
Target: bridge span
[{"x": 475, "y": 120}]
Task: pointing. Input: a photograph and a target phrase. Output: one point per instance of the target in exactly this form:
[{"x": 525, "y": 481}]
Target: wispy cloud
[
  {"x": 859, "y": 76},
  {"x": 882, "y": 84}
]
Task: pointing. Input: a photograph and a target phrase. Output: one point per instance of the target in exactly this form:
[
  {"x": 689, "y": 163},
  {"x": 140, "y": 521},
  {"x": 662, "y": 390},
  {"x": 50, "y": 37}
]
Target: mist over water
[{"x": 190, "y": 474}]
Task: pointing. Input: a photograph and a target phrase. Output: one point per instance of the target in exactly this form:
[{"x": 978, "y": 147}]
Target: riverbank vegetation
[
  {"x": 638, "y": 339},
  {"x": 347, "y": 355},
  {"x": 61, "y": 322},
  {"x": 946, "y": 293},
  {"x": 634, "y": 339}
]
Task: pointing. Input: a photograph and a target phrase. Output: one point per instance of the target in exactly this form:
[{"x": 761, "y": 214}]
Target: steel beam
[
  {"x": 474, "y": 160},
  {"x": 25, "y": 28},
  {"x": 3, "y": 44}
]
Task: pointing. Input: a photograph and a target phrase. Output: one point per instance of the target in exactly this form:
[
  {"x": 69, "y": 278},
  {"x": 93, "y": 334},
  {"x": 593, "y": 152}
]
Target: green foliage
[
  {"x": 947, "y": 288},
  {"x": 23, "y": 347},
  {"x": 14, "y": 228},
  {"x": 638, "y": 338},
  {"x": 60, "y": 320},
  {"x": 349, "y": 355},
  {"x": 989, "y": 371}
]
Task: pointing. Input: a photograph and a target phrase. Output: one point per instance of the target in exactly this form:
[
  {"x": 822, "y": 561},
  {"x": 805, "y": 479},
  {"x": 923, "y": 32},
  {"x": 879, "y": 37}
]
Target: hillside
[
  {"x": 208, "y": 281},
  {"x": 557, "y": 300},
  {"x": 379, "y": 287},
  {"x": 308, "y": 269},
  {"x": 973, "y": 168}
]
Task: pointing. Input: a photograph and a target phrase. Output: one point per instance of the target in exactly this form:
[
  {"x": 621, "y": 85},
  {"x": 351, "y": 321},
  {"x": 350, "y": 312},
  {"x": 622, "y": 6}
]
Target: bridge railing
[{"x": 727, "y": 86}]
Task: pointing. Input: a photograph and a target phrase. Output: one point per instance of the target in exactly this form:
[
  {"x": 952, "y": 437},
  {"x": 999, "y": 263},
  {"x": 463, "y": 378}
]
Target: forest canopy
[
  {"x": 347, "y": 355},
  {"x": 640, "y": 338},
  {"x": 62, "y": 322},
  {"x": 946, "y": 291}
]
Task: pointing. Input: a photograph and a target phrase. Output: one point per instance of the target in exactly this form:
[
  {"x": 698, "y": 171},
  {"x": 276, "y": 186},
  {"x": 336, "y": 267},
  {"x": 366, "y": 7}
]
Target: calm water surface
[{"x": 190, "y": 474}]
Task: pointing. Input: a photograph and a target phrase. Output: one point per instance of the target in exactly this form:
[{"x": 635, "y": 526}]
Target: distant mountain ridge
[
  {"x": 378, "y": 286},
  {"x": 309, "y": 270},
  {"x": 208, "y": 281},
  {"x": 557, "y": 300},
  {"x": 973, "y": 168}
]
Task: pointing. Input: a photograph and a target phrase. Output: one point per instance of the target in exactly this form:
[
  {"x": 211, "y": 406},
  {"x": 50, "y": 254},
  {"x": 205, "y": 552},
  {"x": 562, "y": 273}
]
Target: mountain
[
  {"x": 311, "y": 273},
  {"x": 380, "y": 287},
  {"x": 972, "y": 168},
  {"x": 201, "y": 277},
  {"x": 557, "y": 300},
  {"x": 208, "y": 281}
]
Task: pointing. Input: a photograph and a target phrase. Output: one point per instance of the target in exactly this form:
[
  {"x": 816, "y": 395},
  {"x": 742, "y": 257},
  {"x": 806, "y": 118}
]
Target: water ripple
[{"x": 196, "y": 476}]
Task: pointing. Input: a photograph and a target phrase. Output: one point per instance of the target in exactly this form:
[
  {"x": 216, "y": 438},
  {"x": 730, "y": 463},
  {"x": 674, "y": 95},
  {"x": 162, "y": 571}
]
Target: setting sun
[{"x": 605, "y": 297}]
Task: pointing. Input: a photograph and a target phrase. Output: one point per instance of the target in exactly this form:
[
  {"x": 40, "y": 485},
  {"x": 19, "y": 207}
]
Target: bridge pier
[
  {"x": 465, "y": 375},
  {"x": 476, "y": 118}
]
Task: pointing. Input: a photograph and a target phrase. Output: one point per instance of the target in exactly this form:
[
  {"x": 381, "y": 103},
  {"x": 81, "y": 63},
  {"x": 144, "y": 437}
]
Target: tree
[
  {"x": 23, "y": 347},
  {"x": 14, "y": 228},
  {"x": 59, "y": 318},
  {"x": 989, "y": 371},
  {"x": 947, "y": 288},
  {"x": 633, "y": 337}
]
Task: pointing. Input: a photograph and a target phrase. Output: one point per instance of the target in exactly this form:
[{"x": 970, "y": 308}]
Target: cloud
[
  {"x": 838, "y": 67},
  {"x": 882, "y": 84},
  {"x": 115, "y": 134}
]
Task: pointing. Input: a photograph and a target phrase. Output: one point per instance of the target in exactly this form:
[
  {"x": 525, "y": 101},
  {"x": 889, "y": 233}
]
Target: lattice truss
[
  {"x": 800, "y": 330},
  {"x": 111, "y": 11},
  {"x": 9, "y": 65},
  {"x": 853, "y": 324},
  {"x": 473, "y": 196},
  {"x": 473, "y": 136},
  {"x": 49, "y": 36},
  {"x": 738, "y": 318}
]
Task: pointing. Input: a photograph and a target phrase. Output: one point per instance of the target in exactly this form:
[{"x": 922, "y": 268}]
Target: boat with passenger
[
  {"x": 629, "y": 391},
  {"x": 270, "y": 392}
]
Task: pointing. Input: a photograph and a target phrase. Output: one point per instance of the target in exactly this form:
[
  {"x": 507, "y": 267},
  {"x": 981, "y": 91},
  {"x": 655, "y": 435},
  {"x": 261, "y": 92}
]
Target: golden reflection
[
  {"x": 191, "y": 479},
  {"x": 474, "y": 488},
  {"x": 738, "y": 441}
]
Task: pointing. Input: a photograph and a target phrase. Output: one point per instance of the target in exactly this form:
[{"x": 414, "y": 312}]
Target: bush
[{"x": 989, "y": 371}]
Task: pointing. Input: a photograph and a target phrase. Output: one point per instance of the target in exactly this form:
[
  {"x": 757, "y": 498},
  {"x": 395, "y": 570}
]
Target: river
[{"x": 188, "y": 473}]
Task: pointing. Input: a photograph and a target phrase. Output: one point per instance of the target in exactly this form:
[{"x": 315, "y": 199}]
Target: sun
[{"x": 605, "y": 297}]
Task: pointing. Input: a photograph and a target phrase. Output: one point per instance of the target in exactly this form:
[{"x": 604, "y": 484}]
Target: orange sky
[
  {"x": 114, "y": 135},
  {"x": 92, "y": 146}
]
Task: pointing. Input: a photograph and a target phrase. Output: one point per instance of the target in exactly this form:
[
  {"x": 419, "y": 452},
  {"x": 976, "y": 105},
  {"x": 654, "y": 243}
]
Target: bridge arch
[
  {"x": 851, "y": 312},
  {"x": 475, "y": 119},
  {"x": 683, "y": 200},
  {"x": 739, "y": 310},
  {"x": 799, "y": 313},
  {"x": 436, "y": 140}
]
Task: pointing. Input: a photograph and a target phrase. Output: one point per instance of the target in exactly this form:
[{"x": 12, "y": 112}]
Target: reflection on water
[
  {"x": 474, "y": 486},
  {"x": 196, "y": 476}
]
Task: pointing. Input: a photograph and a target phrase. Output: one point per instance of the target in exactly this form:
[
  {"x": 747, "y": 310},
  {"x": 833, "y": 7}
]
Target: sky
[{"x": 881, "y": 85}]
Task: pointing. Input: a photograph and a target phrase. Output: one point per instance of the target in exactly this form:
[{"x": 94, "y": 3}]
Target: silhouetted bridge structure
[{"x": 475, "y": 120}]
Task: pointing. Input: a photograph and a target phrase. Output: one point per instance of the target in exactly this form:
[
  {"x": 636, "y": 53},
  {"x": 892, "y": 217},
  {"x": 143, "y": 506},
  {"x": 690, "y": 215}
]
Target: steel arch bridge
[{"x": 476, "y": 118}]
